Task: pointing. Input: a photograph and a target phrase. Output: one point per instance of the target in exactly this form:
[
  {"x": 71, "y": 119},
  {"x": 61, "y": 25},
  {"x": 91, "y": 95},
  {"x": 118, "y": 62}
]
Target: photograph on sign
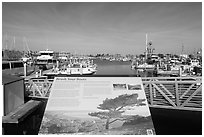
[
  {"x": 119, "y": 86},
  {"x": 97, "y": 106},
  {"x": 134, "y": 87}
]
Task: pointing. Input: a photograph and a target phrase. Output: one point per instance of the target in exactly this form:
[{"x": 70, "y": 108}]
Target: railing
[
  {"x": 163, "y": 92},
  {"x": 174, "y": 92},
  {"x": 38, "y": 88}
]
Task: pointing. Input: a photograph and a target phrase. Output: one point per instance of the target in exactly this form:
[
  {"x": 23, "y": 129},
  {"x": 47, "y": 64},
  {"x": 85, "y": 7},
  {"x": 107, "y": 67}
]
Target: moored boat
[
  {"x": 145, "y": 66},
  {"x": 71, "y": 69},
  {"x": 46, "y": 59}
]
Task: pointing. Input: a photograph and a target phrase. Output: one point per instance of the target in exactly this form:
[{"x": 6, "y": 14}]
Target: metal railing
[{"x": 163, "y": 92}]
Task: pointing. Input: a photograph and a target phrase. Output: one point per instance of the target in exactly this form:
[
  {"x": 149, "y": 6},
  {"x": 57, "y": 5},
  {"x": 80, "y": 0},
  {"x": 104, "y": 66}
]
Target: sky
[{"x": 91, "y": 28}]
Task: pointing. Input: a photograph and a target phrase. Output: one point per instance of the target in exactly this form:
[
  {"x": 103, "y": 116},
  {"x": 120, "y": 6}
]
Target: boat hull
[{"x": 51, "y": 76}]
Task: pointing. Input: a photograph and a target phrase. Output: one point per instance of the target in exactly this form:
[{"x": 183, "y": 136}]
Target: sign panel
[{"x": 97, "y": 106}]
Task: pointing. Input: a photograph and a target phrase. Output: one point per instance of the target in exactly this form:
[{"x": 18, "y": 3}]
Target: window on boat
[
  {"x": 44, "y": 54},
  {"x": 51, "y": 54}
]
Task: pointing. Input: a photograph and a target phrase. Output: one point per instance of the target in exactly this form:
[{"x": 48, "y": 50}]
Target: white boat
[
  {"x": 46, "y": 56},
  {"x": 112, "y": 59},
  {"x": 194, "y": 63},
  {"x": 125, "y": 59},
  {"x": 63, "y": 58},
  {"x": 145, "y": 66},
  {"x": 72, "y": 69},
  {"x": 46, "y": 59},
  {"x": 175, "y": 61},
  {"x": 165, "y": 72},
  {"x": 155, "y": 58}
]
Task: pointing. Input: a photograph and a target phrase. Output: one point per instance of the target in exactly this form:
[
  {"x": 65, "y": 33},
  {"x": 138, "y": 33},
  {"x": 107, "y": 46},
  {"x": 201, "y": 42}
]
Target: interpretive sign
[{"x": 97, "y": 106}]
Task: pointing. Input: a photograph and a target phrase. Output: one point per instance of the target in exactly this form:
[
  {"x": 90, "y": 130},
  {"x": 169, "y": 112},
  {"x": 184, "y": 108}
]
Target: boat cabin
[{"x": 46, "y": 57}]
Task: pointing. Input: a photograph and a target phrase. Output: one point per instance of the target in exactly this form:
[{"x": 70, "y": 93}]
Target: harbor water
[{"x": 106, "y": 67}]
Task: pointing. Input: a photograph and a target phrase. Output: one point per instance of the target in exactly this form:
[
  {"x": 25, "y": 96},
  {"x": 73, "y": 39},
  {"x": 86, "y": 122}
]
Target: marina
[
  {"x": 169, "y": 90},
  {"x": 107, "y": 68},
  {"x": 164, "y": 89}
]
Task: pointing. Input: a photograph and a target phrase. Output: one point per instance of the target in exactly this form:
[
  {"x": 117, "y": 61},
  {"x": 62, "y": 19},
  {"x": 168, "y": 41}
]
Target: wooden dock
[{"x": 183, "y": 93}]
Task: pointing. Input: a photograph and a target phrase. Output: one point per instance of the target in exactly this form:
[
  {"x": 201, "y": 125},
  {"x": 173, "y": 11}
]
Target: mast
[
  {"x": 182, "y": 50},
  {"x": 146, "y": 47},
  {"x": 14, "y": 42},
  {"x": 25, "y": 47},
  {"x": 46, "y": 44},
  {"x": 6, "y": 42}
]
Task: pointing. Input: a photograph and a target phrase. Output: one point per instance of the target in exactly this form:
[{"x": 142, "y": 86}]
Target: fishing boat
[{"x": 148, "y": 52}]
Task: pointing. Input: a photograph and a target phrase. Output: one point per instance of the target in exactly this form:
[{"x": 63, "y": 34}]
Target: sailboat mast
[
  {"x": 182, "y": 50},
  {"x": 6, "y": 42},
  {"x": 14, "y": 42},
  {"x": 146, "y": 47}
]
